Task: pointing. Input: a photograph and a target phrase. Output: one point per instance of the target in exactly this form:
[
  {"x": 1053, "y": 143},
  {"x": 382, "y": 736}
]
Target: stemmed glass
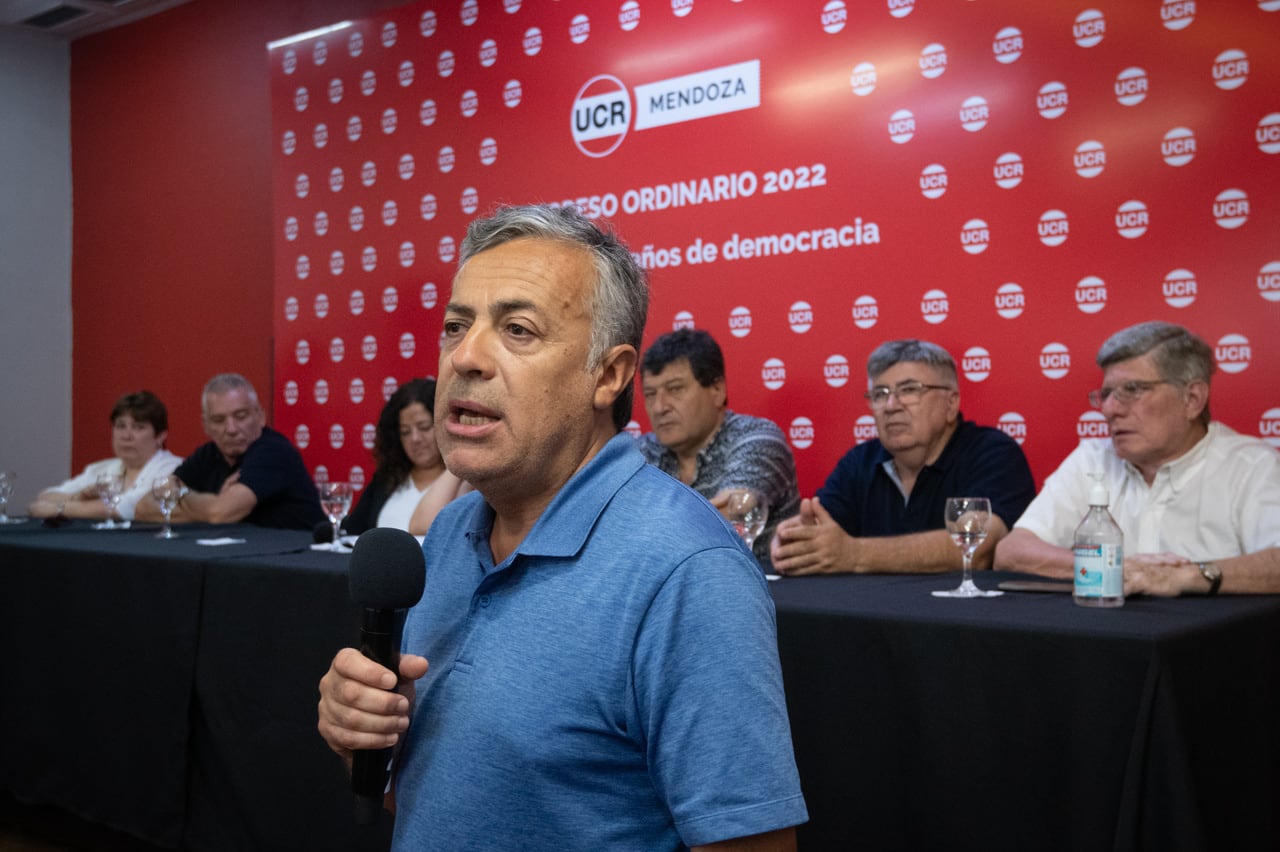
[
  {"x": 748, "y": 511},
  {"x": 110, "y": 490},
  {"x": 6, "y": 491},
  {"x": 166, "y": 490},
  {"x": 967, "y": 519},
  {"x": 335, "y": 499}
]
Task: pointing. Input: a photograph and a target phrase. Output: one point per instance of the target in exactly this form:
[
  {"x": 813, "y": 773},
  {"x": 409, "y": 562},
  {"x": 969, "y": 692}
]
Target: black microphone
[{"x": 385, "y": 577}]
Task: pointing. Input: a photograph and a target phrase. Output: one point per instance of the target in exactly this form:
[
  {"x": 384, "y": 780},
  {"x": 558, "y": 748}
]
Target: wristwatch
[{"x": 1212, "y": 574}]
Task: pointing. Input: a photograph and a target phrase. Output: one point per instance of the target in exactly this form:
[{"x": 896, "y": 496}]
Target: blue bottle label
[{"x": 1099, "y": 570}]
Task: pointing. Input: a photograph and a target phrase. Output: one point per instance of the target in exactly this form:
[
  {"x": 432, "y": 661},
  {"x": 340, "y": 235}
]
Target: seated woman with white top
[{"x": 139, "y": 426}]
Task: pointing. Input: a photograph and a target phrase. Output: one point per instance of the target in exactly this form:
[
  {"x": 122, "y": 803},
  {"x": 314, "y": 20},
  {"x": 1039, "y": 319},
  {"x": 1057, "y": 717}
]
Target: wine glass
[
  {"x": 6, "y": 491},
  {"x": 967, "y": 519},
  {"x": 748, "y": 511},
  {"x": 166, "y": 490},
  {"x": 335, "y": 499},
  {"x": 110, "y": 490}
]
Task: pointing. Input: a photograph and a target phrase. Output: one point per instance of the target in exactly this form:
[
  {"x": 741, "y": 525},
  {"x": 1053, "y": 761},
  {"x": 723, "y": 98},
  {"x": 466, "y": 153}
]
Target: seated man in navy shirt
[
  {"x": 246, "y": 472},
  {"x": 881, "y": 509}
]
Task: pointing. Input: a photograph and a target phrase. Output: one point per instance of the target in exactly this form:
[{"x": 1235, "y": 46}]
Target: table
[
  {"x": 1021, "y": 722},
  {"x": 1027, "y": 722}
]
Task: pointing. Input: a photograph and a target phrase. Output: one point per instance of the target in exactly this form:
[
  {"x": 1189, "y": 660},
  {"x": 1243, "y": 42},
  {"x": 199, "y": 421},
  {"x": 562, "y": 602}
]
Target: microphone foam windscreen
[{"x": 387, "y": 569}]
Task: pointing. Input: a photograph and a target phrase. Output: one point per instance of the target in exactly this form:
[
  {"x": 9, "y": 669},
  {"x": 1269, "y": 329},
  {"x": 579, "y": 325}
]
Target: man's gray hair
[
  {"x": 914, "y": 352},
  {"x": 225, "y": 383},
  {"x": 620, "y": 301},
  {"x": 1180, "y": 356}
]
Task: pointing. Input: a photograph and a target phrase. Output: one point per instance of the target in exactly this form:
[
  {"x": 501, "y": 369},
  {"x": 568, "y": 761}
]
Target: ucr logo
[
  {"x": 390, "y": 299},
  {"x": 336, "y": 179},
  {"x": 1055, "y": 360},
  {"x": 1269, "y": 281},
  {"x": 302, "y": 351},
  {"x": 1232, "y": 353},
  {"x": 512, "y": 93},
  {"x": 801, "y": 433},
  {"x": 1179, "y": 288},
  {"x": 532, "y": 41},
  {"x": 1053, "y": 228},
  {"x": 355, "y": 44},
  {"x": 289, "y": 62},
  {"x": 1231, "y": 208},
  {"x": 369, "y": 259},
  {"x": 1051, "y": 100},
  {"x": 834, "y": 16},
  {"x": 579, "y": 29},
  {"x": 629, "y": 15},
  {"x": 1010, "y": 300},
  {"x": 469, "y": 104},
  {"x": 445, "y": 159},
  {"x": 289, "y": 142},
  {"x": 934, "y": 307},
  {"x": 866, "y": 312},
  {"x": 488, "y": 151},
  {"x": 301, "y": 98},
  {"x": 1269, "y": 427},
  {"x": 933, "y": 61},
  {"x": 320, "y": 392},
  {"x": 488, "y": 53},
  {"x": 1091, "y": 294},
  {"x": 390, "y": 212},
  {"x": 337, "y": 350},
  {"x": 740, "y": 321},
  {"x": 321, "y": 305},
  {"x": 405, "y": 167},
  {"x": 863, "y": 79},
  {"x": 355, "y": 303},
  {"x": 302, "y": 186},
  {"x": 446, "y": 63},
  {"x": 974, "y": 113},
  {"x": 1014, "y": 425},
  {"x": 336, "y": 90},
  {"x": 632, "y": 428},
  {"x": 356, "y": 477},
  {"x": 389, "y": 121},
  {"x": 470, "y": 12},
  {"x": 800, "y": 317},
  {"x": 407, "y": 345},
  {"x": 427, "y": 112},
  {"x": 368, "y": 83},
  {"x": 901, "y": 8},
  {"x": 1268, "y": 133},
  {"x": 389, "y": 34},
  {"x": 428, "y": 207},
  {"x": 902, "y": 126},
  {"x": 320, "y": 135},
  {"x": 836, "y": 371},
  {"x": 404, "y": 74},
  {"x": 469, "y": 200},
  {"x": 1007, "y": 45},
  {"x": 1177, "y": 14},
  {"x": 864, "y": 429},
  {"x": 1090, "y": 159},
  {"x": 446, "y": 249},
  {"x": 1092, "y": 426},
  {"x": 355, "y": 127},
  {"x": 1089, "y": 28},
  {"x": 369, "y": 173},
  {"x": 976, "y": 364},
  {"x": 336, "y": 436},
  {"x": 427, "y": 24},
  {"x": 321, "y": 223},
  {"x": 773, "y": 373},
  {"x": 1178, "y": 146},
  {"x": 302, "y": 439},
  {"x": 355, "y": 390},
  {"x": 369, "y": 347},
  {"x": 291, "y": 392},
  {"x": 428, "y": 295},
  {"x": 682, "y": 319},
  {"x": 291, "y": 228},
  {"x": 291, "y": 308},
  {"x": 933, "y": 181},
  {"x": 1230, "y": 69},
  {"x": 975, "y": 236},
  {"x": 389, "y": 385},
  {"x": 1131, "y": 86},
  {"x": 355, "y": 218},
  {"x": 1008, "y": 170},
  {"x": 407, "y": 254},
  {"x": 368, "y": 435},
  {"x": 601, "y": 116},
  {"x": 1132, "y": 219},
  {"x": 681, "y": 8},
  {"x": 302, "y": 267}
]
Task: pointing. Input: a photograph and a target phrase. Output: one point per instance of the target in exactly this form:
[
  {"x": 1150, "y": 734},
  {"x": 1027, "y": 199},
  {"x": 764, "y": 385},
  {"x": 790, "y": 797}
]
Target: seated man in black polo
[
  {"x": 246, "y": 472},
  {"x": 881, "y": 509}
]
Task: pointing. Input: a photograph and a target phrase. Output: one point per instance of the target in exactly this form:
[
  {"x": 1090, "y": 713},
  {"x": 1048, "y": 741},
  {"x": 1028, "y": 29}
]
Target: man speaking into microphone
[{"x": 603, "y": 656}]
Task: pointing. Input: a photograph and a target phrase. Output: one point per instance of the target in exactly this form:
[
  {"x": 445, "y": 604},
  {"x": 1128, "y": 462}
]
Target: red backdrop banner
[{"x": 805, "y": 180}]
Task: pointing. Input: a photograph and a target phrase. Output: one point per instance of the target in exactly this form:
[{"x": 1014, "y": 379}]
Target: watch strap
[{"x": 1212, "y": 574}]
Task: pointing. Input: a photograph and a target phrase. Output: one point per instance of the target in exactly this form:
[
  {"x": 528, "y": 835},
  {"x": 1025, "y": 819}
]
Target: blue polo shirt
[
  {"x": 613, "y": 684},
  {"x": 978, "y": 461}
]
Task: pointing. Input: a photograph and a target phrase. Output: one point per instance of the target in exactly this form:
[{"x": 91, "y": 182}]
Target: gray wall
[{"x": 35, "y": 262}]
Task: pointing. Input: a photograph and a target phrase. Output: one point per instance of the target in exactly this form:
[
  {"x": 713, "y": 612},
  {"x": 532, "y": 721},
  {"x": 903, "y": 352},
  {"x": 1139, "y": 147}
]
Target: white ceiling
[{"x": 83, "y": 17}]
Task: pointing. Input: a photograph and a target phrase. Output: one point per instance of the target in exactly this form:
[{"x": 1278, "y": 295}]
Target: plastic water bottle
[{"x": 1099, "y": 553}]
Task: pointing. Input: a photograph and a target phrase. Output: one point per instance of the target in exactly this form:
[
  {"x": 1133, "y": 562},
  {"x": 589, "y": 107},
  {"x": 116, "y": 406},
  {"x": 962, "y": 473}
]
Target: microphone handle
[{"x": 370, "y": 770}]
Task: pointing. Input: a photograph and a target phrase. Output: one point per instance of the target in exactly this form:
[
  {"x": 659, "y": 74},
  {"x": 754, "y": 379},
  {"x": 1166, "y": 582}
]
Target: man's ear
[
  {"x": 616, "y": 372},
  {"x": 1197, "y": 397}
]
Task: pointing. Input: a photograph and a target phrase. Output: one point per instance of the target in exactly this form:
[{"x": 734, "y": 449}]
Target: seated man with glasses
[
  {"x": 1199, "y": 504},
  {"x": 881, "y": 509},
  {"x": 246, "y": 472}
]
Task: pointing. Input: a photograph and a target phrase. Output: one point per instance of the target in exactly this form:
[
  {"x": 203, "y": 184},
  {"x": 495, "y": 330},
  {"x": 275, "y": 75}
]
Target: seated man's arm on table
[
  {"x": 782, "y": 840},
  {"x": 761, "y": 460},
  {"x": 1023, "y": 550},
  {"x": 233, "y": 502},
  {"x": 814, "y": 543},
  {"x": 1248, "y": 574}
]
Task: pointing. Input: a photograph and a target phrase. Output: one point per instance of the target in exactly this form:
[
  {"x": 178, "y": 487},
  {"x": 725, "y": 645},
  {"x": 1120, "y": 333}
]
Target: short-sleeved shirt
[
  {"x": 613, "y": 684},
  {"x": 745, "y": 452},
  {"x": 978, "y": 461},
  {"x": 1220, "y": 499},
  {"x": 272, "y": 469}
]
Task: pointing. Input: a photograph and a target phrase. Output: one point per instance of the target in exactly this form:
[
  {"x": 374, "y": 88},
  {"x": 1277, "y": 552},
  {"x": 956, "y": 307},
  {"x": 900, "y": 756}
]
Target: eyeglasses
[
  {"x": 908, "y": 393},
  {"x": 1124, "y": 394}
]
